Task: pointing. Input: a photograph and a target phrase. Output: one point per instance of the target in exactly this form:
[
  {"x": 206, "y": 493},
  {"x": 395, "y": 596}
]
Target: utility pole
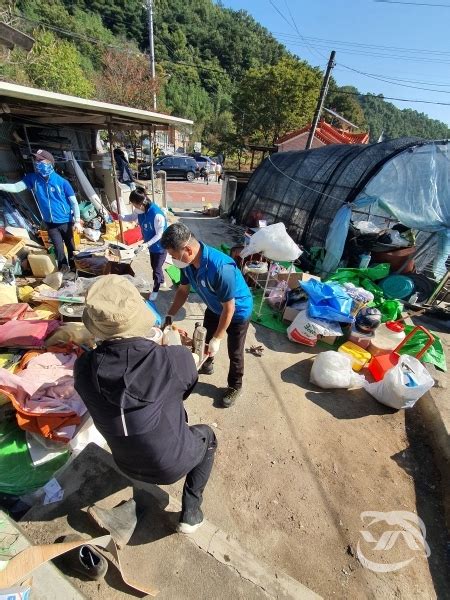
[
  {"x": 151, "y": 46},
  {"x": 320, "y": 102}
]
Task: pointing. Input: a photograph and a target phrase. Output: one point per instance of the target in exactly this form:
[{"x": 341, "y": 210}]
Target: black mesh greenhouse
[{"x": 305, "y": 189}]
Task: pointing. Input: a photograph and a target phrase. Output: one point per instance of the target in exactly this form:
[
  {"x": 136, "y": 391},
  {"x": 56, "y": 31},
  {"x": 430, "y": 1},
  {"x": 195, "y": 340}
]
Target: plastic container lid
[
  {"x": 397, "y": 286},
  {"x": 395, "y": 326}
]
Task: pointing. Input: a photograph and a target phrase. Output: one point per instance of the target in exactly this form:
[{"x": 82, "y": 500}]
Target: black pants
[
  {"x": 197, "y": 478},
  {"x": 157, "y": 261},
  {"x": 237, "y": 333},
  {"x": 62, "y": 234}
]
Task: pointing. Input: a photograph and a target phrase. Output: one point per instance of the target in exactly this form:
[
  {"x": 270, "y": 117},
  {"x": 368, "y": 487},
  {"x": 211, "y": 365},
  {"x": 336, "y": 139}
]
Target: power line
[
  {"x": 413, "y": 3},
  {"x": 378, "y": 78}
]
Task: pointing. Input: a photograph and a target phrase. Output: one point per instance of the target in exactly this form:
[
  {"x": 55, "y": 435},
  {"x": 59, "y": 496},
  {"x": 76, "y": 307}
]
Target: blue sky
[{"x": 416, "y": 44}]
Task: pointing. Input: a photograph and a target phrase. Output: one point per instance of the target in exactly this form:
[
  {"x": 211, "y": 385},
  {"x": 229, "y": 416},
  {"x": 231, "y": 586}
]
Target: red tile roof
[{"x": 327, "y": 134}]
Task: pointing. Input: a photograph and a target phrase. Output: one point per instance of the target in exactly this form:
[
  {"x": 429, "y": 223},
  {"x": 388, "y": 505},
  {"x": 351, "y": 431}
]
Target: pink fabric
[
  {"x": 26, "y": 334},
  {"x": 45, "y": 386}
]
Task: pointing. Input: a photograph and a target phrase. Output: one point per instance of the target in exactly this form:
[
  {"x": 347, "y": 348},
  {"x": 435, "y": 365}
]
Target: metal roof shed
[{"x": 45, "y": 107}]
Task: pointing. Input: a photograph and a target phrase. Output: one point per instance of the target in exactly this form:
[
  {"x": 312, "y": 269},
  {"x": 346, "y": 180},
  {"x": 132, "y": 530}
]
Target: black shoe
[
  {"x": 190, "y": 521},
  {"x": 207, "y": 368},
  {"x": 84, "y": 560},
  {"x": 230, "y": 397}
]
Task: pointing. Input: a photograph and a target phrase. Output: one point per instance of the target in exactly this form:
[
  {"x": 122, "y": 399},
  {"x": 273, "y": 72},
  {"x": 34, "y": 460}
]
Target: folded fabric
[
  {"x": 44, "y": 397},
  {"x": 26, "y": 334},
  {"x": 12, "y": 312}
]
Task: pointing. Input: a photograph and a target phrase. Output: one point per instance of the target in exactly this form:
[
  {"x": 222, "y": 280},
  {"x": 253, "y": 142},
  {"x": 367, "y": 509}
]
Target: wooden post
[{"x": 114, "y": 176}]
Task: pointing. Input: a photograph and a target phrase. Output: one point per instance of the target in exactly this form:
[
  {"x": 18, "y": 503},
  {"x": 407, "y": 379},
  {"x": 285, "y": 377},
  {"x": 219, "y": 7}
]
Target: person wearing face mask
[
  {"x": 153, "y": 223},
  {"x": 221, "y": 285},
  {"x": 57, "y": 203}
]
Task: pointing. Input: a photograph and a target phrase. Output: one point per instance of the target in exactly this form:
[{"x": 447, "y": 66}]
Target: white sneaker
[{"x": 153, "y": 296}]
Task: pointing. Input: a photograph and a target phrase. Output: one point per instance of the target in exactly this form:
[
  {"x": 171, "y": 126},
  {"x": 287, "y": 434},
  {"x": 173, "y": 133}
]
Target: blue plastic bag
[{"x": 328, "y": 301}]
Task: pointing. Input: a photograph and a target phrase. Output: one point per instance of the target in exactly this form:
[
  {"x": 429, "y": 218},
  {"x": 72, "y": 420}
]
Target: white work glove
[
  {"x": 213, "y": 346},
  {"x": 78, "y": 227}
]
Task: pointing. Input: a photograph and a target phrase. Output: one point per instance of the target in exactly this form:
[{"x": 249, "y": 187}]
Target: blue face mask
[{"x": 43, "y": 168}]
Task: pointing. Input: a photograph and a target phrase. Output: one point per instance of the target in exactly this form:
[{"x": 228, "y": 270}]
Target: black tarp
[{"x": 305, "y": 189}]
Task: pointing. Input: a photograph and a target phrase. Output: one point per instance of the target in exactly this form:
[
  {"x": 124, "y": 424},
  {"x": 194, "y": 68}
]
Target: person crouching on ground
[
  {"x": 153, "y": 223},
  {"x": 134, "y": 390},
  {"x": 220, "y": 284}
]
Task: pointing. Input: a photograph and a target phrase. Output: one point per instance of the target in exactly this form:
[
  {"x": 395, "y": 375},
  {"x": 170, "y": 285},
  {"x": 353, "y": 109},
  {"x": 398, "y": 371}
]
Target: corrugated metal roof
[{"x": 50, "y": 107}]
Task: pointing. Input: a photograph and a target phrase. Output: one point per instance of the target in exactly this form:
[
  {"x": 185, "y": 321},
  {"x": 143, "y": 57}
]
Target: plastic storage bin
[{"x": 359, "y": 356}]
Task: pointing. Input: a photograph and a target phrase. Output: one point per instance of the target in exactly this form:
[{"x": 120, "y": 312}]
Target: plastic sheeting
[
  {"x": 414, "y": 188},
  {"x": 305, "y": 189}
]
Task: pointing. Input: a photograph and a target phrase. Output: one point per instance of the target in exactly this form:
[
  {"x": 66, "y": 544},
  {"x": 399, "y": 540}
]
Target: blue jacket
[
  {"x": 147, "y": 224},
  {"x": 52, "y": 195},
  {"x": 219, "y": 280}
]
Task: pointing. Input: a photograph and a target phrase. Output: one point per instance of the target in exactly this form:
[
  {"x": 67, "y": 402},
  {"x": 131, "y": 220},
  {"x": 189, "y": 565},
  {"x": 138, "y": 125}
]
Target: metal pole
[
  {"x": 323, "y": 94},
  {"x": 151, "y": 47},
  {"x": 114, "y": 176},
  {"x": 152, "y": 172}
]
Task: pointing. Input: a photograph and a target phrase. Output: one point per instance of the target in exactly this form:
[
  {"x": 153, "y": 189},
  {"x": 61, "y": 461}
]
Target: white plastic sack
[
  {"x": 91, "y": 234},
  {"x": 274, "y": 243},
  {"x": 305, "y": 329},
  {"x": 334, "y": 370},
  {"x": 402, "y": 385}
]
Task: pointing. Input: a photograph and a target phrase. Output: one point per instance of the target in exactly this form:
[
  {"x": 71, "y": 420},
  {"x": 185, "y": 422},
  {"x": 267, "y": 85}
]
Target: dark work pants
[
  {"x": 62, "y": 234},
  {"x": 157, "y": 261},
  {"x": 236, "y": 341},
  {"x": 197, "y": 478}
]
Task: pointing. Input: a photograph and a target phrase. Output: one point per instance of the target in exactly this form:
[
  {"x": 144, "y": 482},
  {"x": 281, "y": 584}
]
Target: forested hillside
[{"x": 214, "y": 65}]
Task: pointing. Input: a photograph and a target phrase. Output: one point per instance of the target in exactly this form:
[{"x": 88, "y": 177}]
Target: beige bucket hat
[{"x": 115, "y": 309}]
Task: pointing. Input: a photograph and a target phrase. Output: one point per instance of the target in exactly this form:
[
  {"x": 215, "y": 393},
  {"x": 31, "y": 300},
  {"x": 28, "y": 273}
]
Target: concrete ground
[{"x": 295, "y": 469}]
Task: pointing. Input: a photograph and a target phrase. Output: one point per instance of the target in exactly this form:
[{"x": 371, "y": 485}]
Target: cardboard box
[
  {"x": 330, "y": 340},
  {"x": 294, "y": 279}
]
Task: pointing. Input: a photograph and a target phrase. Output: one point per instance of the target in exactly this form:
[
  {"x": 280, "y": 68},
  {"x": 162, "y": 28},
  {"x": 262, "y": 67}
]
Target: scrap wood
[{"x": 24, "y": 563}]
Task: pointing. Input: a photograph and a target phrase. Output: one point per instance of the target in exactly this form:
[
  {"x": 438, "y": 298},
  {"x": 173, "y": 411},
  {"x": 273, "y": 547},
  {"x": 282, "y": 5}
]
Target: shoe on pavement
[
  {"x": 207, "y": 368},
  {"x": 190, "y": 521},
  {"x": 153, "y": 296},
  {"x": 84, "y": 560},
  {"x": 230, "y": 397}
]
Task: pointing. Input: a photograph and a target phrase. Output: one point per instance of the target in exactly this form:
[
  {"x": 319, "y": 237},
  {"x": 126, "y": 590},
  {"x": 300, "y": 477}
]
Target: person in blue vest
[
  {"x": 221, "y": 285},
  {"x": 153, "y": 223},
  {"x": 57, "y": 204}
]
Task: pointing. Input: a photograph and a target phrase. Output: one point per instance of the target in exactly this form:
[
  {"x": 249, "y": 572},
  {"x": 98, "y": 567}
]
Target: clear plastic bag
[
  {"x": 334, "y": 370},
  {"x": 402, "y": 385},
  {"x": 274, "y": 243}
]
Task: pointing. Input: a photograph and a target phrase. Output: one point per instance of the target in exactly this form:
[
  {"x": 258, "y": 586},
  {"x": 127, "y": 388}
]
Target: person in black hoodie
[{"x": 134, "y": 390}]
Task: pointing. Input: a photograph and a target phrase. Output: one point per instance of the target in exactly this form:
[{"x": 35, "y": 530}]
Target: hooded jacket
[{"x": 134, "y": 390}]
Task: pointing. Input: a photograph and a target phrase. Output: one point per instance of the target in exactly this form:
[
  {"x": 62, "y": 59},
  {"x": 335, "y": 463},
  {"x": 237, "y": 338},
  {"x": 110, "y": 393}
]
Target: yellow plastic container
[
  {"x": 76, "y": 239},
  {"x": 359, "y": 356},
  {"x": 41, "y": 264}
]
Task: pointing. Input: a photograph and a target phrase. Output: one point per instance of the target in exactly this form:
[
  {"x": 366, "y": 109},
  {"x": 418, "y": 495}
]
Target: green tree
[
  {"x": 55, "y": 65},
  {"x": 346, "y": 104},
  {"x": 276, "y": 99}
]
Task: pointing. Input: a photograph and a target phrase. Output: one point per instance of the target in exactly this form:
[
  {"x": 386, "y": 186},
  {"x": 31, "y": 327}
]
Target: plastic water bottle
[{"x": 364, "y": 260}]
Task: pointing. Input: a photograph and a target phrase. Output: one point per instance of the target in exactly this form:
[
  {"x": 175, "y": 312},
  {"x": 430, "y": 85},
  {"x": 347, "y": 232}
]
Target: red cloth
[
  {"x": 26, "y": 334},
  {"x": 11, "y": 312}
]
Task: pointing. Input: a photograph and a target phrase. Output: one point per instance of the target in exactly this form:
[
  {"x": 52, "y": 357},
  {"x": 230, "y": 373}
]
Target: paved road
[{"x": 183, "y": 194}]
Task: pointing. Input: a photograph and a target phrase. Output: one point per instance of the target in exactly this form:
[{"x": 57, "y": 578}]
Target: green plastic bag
[
  {"x": 357, "y": 275},
  {"x": 18, "y": 475},
  {"x": 435, "y": 355},
  {"x": 391, "y": 310}
]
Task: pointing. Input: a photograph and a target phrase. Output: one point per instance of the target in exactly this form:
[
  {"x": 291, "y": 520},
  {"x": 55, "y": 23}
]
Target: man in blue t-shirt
[
  {"x": 221, "y": 286},
  {"x": 57, "y": 204}
]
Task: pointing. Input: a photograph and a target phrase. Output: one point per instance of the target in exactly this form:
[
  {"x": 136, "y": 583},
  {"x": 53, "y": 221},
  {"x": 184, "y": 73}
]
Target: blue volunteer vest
[
  {"x": 203, "y": 278},
  {"x": 52, "y": 195},
  {"x": 147, "y": 224}
]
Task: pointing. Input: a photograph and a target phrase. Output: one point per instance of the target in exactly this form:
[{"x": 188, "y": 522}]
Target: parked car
[
  {"x": 175, "y": 167},
  {"x": 204, "y": 162}
]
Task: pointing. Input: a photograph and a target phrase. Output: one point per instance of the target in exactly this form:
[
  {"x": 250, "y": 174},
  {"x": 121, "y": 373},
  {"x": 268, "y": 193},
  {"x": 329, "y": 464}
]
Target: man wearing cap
[
  {"x": 57, "y": 203},
  {"x": 221, "y": 286},
  {"x": 134, "y": 390}
]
